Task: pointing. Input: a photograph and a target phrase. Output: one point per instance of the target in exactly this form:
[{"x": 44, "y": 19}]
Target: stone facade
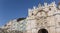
[
  {"x": 44, "y": 17},
  {"x": 14, "y": 25},
  {"x": 41, "y": 17}
]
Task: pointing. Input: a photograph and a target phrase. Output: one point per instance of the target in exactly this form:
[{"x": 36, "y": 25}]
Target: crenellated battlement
[{"x": 46, "y": 8}]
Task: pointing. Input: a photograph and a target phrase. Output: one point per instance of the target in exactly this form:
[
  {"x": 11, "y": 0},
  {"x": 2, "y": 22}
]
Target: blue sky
[{"x": 11, "y": 9}]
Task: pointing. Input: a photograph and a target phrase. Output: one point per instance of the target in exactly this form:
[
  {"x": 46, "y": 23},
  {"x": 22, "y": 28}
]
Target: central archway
[{"x": 42, "y": 31}]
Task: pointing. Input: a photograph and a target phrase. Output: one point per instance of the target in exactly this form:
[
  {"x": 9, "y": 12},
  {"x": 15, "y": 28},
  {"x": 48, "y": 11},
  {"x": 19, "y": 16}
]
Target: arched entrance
[{"x": 43, "y": 31}]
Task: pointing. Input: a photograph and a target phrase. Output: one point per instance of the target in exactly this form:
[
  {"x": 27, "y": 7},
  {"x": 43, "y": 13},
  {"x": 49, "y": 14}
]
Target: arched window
[{"x": 43, "y": 31}]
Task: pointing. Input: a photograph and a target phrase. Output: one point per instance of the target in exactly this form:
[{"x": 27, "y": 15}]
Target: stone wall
[{"x": 47, "y": 17}]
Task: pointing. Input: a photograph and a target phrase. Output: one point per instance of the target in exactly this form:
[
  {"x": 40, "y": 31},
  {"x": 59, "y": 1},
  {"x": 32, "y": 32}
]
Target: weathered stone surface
[
  {"x": 12, "y": 31},
  {"x": 47, "y": 17},
  {"x": 43, "y": 17}
]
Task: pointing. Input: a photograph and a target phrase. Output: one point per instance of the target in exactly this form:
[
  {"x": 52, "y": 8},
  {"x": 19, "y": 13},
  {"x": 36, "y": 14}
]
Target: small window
[
  {"x": 49, "y": 8},
  {"x": 58, "y": 6},
  {"x": 32, "y": 14}
]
